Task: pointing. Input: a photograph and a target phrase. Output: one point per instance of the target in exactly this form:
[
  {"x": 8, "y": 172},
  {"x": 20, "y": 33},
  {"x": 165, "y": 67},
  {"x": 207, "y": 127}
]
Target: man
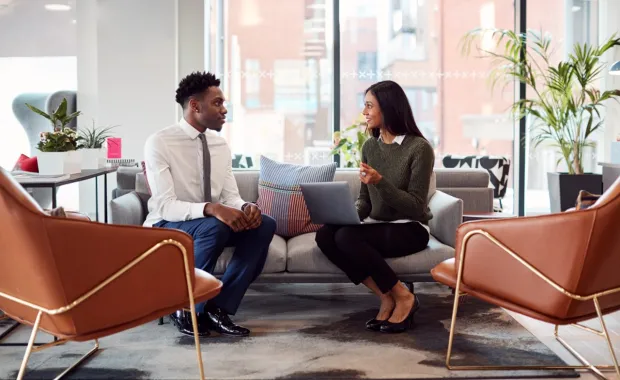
[{"x": 189, "y": 171}]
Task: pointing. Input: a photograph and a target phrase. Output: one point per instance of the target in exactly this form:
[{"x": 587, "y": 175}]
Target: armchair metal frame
[
  {"x": 43, "y": 311},
  {"x": 597, "y": 369}
]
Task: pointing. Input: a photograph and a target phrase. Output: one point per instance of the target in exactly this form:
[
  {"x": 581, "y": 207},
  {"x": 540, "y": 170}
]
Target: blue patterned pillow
[{"x": 279, "y": 194}]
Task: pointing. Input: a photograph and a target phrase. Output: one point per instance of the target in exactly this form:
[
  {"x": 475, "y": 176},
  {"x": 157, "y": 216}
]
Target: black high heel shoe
[
  {"x": 375, "y": 324},
  {"x": 407, "y": 323}
]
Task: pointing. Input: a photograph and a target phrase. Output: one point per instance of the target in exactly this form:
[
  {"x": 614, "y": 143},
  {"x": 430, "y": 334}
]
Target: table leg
[
  {"x": 105, "y": 198},
  {"x": 53, "y": 197},
  {"x": 96, "y": 199}
]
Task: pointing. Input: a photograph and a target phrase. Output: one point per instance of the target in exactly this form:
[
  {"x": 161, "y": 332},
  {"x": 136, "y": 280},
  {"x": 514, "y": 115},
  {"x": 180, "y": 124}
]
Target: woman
[{"x": 396, "y": 170}]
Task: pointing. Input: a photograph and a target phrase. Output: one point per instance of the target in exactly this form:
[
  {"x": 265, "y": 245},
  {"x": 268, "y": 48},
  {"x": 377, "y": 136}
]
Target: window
[
  {"x": 413, "y": 42},
  {"x": 366, "y": 64},
  {"x": 411, "y": 48},
  {"x": 405, "y": 16},
  {"x": 360, "y": 99},
  {"x": 252, "y": 83},
  {"x": 286, "y": 92},
  {"x": 581, "y": 26}
]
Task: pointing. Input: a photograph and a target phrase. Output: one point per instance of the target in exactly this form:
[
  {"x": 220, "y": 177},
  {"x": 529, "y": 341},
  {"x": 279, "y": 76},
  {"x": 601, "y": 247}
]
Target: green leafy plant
[
  {"x": 564, "y": 107},
  {"x": 94, "y": 138},
  {"x": 349, "y": 144},
  {"x": 58, "y": 118},
  {"x": 58, "y": 141}
]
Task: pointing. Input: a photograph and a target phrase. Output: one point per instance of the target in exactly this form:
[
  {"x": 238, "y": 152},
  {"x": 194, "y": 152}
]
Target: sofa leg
[{"x": 161, "y": 321}]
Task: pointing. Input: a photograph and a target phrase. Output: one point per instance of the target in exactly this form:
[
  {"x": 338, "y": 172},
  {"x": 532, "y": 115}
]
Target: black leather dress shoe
[
  {"x": 407, "y": 323},
  {"x": 183, "y": 321},
  {"x": 220, "y": 322},
  {"x": 374, "y": 324}
]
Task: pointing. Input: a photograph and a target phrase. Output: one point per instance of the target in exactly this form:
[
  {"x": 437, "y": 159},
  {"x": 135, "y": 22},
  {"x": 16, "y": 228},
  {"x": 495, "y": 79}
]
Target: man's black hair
[{"x": 195, "y": 84}]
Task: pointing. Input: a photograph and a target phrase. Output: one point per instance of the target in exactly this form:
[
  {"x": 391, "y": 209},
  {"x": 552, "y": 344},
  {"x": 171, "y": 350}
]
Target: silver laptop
[{"x": 330, "y": 203}]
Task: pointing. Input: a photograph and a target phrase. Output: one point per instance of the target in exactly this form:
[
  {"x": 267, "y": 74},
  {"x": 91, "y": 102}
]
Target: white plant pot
[
  {"x": 58, "y": 163},
  {"x": 93, "y": 158}
]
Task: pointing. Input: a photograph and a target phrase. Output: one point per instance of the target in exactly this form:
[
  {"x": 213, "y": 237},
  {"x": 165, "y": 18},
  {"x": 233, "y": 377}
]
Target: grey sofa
[{"x": 298, "y": 259}]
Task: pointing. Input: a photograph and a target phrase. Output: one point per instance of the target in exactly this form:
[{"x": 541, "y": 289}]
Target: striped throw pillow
[{"x": 279, "y": 194}]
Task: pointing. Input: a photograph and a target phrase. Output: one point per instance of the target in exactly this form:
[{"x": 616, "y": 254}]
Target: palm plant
[{"x": 565, "y": 108}]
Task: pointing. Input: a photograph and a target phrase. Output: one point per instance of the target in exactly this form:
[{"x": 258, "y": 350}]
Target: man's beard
[{"x": 215, "y": 126}]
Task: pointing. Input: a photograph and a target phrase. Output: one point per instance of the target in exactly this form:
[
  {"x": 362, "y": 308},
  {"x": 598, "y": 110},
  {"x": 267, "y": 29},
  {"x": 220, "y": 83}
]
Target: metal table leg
[
  {"x": 105, "y": 198},
  {"x": 53, "y": 197},
  {"x": 96, "y": 199}
]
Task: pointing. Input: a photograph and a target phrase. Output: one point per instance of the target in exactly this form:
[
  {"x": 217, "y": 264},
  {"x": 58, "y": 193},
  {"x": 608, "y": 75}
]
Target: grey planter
[{"x": 564, "y": 188}]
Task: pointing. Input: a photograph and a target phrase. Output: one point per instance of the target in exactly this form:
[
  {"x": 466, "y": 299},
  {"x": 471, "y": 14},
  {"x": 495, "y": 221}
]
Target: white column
[{"x": 131, "y": 55}]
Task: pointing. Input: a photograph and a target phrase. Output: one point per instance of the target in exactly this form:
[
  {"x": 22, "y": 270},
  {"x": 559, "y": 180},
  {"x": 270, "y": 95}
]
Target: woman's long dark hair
[{"x": 397, "y": 115}]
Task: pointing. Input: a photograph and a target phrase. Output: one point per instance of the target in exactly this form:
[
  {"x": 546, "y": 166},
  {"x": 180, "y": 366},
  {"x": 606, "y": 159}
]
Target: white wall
[{"x": 130, "y": 58}]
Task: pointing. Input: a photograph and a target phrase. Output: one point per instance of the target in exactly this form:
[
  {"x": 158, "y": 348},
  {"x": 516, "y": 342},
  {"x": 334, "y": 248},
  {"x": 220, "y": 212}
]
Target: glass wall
[
  {"x": 417, "y": 43},
  {"x": 279, "y": 66},
  {"x": 278, "y": 80},
  {"x": 579, "y": 24}
]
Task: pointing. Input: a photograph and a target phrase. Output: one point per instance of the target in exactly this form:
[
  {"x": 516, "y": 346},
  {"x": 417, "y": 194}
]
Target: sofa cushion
[
  {"x": 141, "y": 184},
  {"x": 276, "y": 257},
  {"x": 146, "y": 178},
  {"x": 304, "y": 256},
  {"x": 279, "y": 194}
]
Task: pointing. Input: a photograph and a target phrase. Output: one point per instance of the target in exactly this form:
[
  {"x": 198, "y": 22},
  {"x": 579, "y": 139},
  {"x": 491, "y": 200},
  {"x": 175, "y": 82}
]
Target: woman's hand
[{"x": 369, "y": 175}]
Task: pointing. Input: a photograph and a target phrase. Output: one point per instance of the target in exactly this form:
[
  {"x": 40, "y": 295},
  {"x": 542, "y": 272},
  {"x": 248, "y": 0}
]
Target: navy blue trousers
[{"x": 211, "y": 237}]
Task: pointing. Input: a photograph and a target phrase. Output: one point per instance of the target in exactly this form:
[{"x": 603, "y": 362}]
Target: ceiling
[{"x": 28, "y": 29}]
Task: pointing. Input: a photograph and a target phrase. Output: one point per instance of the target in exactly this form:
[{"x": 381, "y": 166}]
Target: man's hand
[
  {"x": 254, "y": 215},
  {"x": 369, "y": 175},
  {"x": 235, "y": 219}
]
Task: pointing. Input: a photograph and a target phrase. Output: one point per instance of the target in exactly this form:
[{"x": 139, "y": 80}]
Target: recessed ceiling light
[{"x": 57, "y": 7}]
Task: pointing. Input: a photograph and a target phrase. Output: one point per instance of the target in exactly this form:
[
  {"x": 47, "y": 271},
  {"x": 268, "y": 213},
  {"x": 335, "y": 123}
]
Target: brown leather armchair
[
  {"x": 78, "y": 280},
  {"x": 558, "y": 268}
]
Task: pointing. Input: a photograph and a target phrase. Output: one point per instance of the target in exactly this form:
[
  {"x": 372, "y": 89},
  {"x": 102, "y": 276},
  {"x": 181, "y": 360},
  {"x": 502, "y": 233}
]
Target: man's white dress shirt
[{"x": 173, "y": 158}]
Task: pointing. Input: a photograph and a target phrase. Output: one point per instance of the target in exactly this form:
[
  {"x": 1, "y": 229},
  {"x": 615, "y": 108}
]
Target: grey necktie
[{"x": 206, "y": 167}]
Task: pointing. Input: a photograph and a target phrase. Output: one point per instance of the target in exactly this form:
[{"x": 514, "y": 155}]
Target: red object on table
[{"x": 27, "y": 164}]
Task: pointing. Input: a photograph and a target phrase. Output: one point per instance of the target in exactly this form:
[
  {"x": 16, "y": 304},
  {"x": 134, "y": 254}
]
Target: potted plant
[
  {"x": 348, "y": 143},
  {"x": 563, "y": 106},
  {"x": 58, "y": 152},
  {"x": 91, "y": 143},
  {"x": 58, "y": 149}
]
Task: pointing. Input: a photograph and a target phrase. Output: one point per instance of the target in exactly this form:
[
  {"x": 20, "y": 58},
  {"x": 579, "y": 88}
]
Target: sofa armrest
[
  {"x": 447, "y": 216},
  {"x": 129, "y": 209}
]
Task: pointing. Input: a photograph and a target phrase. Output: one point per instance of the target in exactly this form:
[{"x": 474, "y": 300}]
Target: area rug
[{"x": 308, "y": 332}]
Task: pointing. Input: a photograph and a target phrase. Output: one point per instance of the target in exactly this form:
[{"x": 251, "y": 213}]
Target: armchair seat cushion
[
  {"x": 276, "y": 257},
  {"x": 304, "y": 256},
  {"x": 447, "y": 271},
  {"x": 206, "y": 287}
]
